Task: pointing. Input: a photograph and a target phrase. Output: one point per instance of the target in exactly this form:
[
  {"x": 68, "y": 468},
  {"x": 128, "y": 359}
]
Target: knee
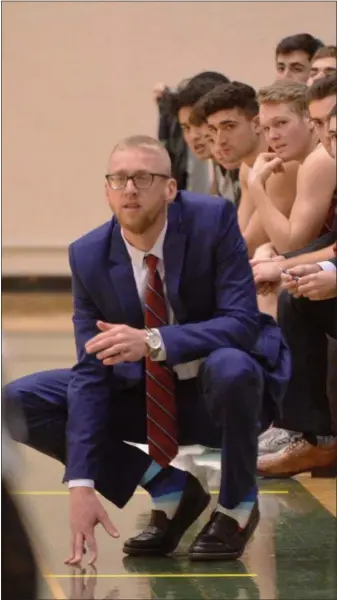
[
  {"x": 230, "y": 368},
  {"x": 230, "y": 377},
  {"x": 13, "y": 410}
]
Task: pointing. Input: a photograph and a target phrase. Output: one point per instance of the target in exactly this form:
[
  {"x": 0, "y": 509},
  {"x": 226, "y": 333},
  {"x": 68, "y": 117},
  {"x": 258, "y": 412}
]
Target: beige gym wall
[{"x": 77, "y": 76}]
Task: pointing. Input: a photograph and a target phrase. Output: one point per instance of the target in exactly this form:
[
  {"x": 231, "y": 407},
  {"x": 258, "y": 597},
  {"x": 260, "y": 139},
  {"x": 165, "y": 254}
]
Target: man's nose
[
  {"x": 273, "y": 134},
  {"x": 130, "y": 186}
]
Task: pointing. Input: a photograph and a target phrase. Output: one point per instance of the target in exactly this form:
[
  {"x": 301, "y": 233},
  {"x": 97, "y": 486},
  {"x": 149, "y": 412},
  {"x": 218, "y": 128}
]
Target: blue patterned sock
[
  {"x": 241, "y": 512},
  {"x": 165, "y": 487}
]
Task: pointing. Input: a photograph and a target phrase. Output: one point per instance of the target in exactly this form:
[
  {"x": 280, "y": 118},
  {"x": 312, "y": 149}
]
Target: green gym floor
[{"x": 291, "y": 556}]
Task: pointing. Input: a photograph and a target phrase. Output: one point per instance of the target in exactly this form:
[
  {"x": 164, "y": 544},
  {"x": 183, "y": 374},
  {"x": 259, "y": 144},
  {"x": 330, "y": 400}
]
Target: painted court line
[
  {"x": 146, "y": 575},
  {"x": 138, "y": 493}
]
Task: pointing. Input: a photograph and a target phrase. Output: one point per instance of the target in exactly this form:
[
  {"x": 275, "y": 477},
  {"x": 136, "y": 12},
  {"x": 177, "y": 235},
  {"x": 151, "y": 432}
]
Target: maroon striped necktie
[{"x": 160, "y": 387}]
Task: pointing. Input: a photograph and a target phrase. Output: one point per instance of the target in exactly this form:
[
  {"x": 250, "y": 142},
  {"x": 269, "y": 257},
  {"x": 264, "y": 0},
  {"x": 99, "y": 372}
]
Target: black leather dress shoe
[
  {"x": 163, "y": 535},
  {"x": 222, "y": 539}
]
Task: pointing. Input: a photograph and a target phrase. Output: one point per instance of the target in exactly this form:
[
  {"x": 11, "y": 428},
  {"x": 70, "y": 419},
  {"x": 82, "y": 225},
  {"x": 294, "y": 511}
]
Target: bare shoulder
[{"x": 317, "y": 161}]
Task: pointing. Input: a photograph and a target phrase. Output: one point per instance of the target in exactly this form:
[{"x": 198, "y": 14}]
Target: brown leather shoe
[{"x": 297, "y": 457}]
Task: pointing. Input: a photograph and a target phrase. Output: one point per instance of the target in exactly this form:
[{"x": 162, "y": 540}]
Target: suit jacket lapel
[
  {"x": 123, "y": 281},
  {"x": 174, "y": 254}
]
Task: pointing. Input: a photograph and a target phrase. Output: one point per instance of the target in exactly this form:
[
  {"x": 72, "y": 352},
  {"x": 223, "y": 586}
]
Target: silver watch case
[{"x": 153, "y": 342}]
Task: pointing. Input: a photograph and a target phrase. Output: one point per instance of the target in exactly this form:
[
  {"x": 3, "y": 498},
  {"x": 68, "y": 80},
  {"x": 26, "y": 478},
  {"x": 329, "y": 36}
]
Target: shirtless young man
[
  {"x": 321, "y": 98},
  {"x": 231, "y": 112}
]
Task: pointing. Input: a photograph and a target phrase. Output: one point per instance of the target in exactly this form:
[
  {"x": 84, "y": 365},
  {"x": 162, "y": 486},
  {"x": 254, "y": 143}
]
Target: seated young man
[
  {"x": 320, "y": 98},
  {"x": 291, "y": 134},
  {"x": 187, "y": 168},
  {"x": 302, "y": 439},
  {"x": 231, "y": 113},
  {"x": 200, "y": 168},
  {"x": 293, "y": 57}
]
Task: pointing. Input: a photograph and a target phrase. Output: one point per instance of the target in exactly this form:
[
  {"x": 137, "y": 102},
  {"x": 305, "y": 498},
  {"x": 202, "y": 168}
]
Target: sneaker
[{"x": 274, "y": 439}]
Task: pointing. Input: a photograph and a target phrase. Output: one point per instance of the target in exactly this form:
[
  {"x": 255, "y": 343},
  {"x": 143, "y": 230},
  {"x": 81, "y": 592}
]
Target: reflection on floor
[{"x": 292, "y": 554}]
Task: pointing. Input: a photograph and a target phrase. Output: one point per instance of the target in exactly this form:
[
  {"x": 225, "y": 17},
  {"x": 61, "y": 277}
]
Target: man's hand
[
  {"x": 265, "y": 164},
  {"x": 117, "y": 343},
  {"x": 318, "y": 286},
  {"x": 267, "y": 272},
  {"x": 291, "y": 278},
  {"x": 158, "y": 91},
  {"x": 86, "y": 511}
]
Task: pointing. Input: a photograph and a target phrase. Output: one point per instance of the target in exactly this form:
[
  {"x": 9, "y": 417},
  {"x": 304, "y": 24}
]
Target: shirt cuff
[
  {"x": 161, "y": 356},
  {"x": 81, "y": 483},
  {"x": 326, "y": 265}
]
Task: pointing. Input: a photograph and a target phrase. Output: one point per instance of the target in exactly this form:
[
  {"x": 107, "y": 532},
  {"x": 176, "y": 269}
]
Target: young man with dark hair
[
  {"x": 323, "y": 63},
  {"x": 231, "y": 113},
  {"x": 321, "y": 98},
  {"x": 187, "y": 147},
  {"x": 200, "y": 165},
  {"x": 293, "y": 56}
]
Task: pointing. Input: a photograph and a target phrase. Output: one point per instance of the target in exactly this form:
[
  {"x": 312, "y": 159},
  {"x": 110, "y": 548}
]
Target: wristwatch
[{"x": 154, "y": 342}]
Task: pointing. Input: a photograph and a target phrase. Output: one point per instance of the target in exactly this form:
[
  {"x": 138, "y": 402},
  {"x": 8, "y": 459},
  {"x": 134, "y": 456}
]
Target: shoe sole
[
  {"x": 226, "y": 556},
  {"x": 283, "y": 475},
  {"x": 199, "y": 509}
]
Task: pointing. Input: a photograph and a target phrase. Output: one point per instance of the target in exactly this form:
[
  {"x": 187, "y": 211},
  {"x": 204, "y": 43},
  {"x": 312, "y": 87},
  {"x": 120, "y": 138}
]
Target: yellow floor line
[
  {"x": 146, "y": 575},
  {"x": 138, "y": 493}
]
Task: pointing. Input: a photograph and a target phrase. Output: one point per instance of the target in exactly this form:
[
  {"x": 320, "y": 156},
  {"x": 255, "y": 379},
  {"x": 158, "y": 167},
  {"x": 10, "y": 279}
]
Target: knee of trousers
[
  {"x": 13, "y": 410},
  {"x": 231, "y": 379}
]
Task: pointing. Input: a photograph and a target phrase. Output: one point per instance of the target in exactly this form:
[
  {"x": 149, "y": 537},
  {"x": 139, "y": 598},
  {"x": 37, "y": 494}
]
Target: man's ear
[
  {"x": 256, "y": 124},
  {"x": 172, "y": 190}
]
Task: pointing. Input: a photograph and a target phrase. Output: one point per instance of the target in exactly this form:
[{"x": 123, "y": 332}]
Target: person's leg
[
  {"x": 42, "y": 398},
  {"x": 232, "y": 388},
  {"x": 304, "y": 325},
  {"x": 232, "y": 385},
  {"x": 306, "y": 409}
]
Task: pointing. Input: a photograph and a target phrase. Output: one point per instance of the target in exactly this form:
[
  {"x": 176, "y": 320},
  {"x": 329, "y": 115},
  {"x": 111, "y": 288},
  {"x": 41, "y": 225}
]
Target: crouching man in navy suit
[{"x": 171, "y": 350}]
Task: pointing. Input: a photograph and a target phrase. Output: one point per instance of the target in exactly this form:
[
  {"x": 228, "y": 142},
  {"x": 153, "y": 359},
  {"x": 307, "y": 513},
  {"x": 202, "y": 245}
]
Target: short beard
[{"x": 144, "y": 224}]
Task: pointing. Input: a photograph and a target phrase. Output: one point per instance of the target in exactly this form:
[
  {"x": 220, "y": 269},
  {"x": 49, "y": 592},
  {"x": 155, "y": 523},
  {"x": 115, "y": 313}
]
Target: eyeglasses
[{"x": 141, "y": 180}]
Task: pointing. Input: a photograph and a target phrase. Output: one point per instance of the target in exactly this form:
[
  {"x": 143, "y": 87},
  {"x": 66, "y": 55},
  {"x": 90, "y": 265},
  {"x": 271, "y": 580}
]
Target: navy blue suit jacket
[{"x": 212, "y": 294}]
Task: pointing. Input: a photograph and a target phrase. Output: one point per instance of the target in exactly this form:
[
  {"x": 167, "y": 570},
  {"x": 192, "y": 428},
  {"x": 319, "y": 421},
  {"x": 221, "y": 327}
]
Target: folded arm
[{"x": 315, "y": 185}]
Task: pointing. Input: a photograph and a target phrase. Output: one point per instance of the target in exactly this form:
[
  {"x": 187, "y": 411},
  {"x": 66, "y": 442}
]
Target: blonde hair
[
  {"x": 148, "y": 143},
  {"x": 285, "y": 92}
]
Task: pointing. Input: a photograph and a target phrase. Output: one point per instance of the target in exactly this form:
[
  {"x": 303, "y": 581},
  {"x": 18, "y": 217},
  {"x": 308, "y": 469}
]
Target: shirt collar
[{"x": 137, "y": 256}]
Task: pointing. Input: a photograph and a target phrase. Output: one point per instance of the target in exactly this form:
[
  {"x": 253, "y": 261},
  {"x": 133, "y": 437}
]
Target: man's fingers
[
  {"x": 103, "y": 326},
  {"x": 92, "y": 547},
  {"x": 101, "y": 343},
  {"x": 268, "y": 156},
  {"x": 72, "y": 550},
  {"x": 78, "y": 554},
  {"x": 108, "y": 526},
  {"x": 276, "y": 163},
  {"x": 102, "y": 337},
  {"x": 112, "y": 352}
]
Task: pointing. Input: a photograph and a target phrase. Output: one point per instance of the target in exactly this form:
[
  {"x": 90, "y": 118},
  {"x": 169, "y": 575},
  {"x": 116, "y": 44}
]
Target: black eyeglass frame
[{"x": 132, "y": 177}]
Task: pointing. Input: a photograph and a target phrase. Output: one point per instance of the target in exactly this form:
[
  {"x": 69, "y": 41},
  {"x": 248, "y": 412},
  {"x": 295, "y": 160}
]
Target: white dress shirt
[
  {"x": 326, "y": 265},
  {"x": 140, "y": 271}
]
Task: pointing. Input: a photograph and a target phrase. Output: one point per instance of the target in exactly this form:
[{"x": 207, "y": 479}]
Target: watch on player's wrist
[{"x": 153, "y": 342}]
